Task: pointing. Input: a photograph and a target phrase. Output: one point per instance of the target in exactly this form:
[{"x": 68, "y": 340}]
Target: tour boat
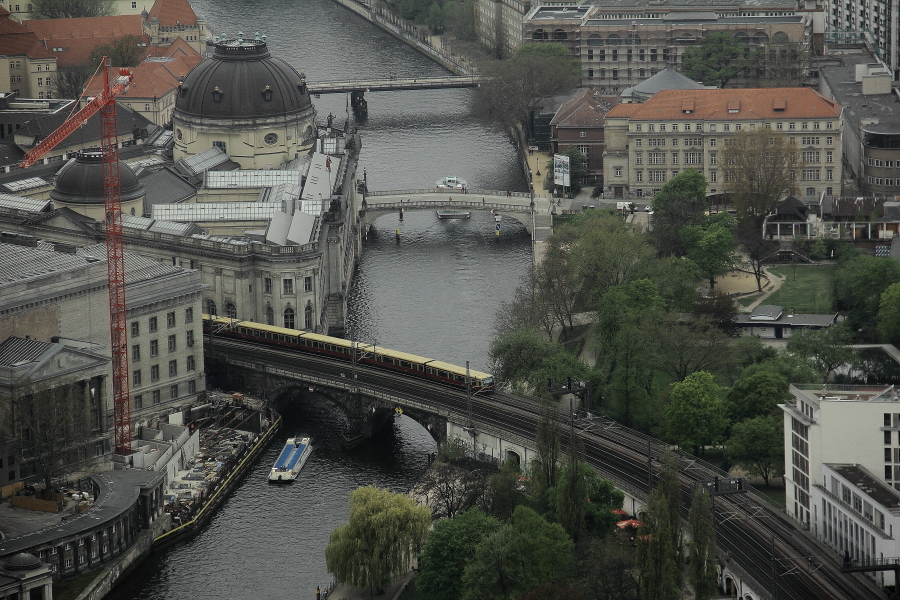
[
  {"x": 451, "y": 182},
  {"x": 290, "y": 461},
  {"x": 453, "y": 214}
]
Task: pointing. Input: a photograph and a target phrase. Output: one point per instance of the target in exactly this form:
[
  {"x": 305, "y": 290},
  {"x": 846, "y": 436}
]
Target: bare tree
[
  {"x": 70, "y": 81},
  {"x": 71, "y": 9},
  {"x": 450, "y": 488},
  {"x": 759, "y": 169}
]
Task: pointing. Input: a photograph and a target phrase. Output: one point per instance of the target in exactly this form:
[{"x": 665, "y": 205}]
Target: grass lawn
[
  {"x": 776, "y": 493},
  {"x": 746, "y": 301},
  {"x": 806, "y": 288}
]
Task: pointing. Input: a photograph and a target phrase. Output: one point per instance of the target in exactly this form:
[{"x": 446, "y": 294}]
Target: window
[
  {"x": 289, "y": 318},
  {"x": 693, "y": 158},
  {"x": 173, "y": 392},
  {"x": 307, "y": 284},
  {"x": 40, "y": 81},
  {"x": 810, "y": 174},
  {"x": 191, "y": 364},
  {"x": 712, "y": 143},
  {"x": 170, "y": 319},
  {"x": 189, "y": 337},
  {"x": 582, "y": 133},
  {"x": 154, "y": 373},
  {"x": 829, "y": 174},
  {"x": 637, "y": 142},
  {"x": 712, "y": 177},
  {"x": 828, "y": 125},
  {"x": 811, "y": 156},
  {"x": 638, "y": 158},
  {"x": 267, "y": 285},
  {"x": 154, "y": 348},
  {"x": 829, "y": 156},
  {"x": 270, "y": 316},
  {"x": 288, "y": 286},
  {"x": 829, "y": 140},
  {"x": 675, "y": 142},
  {"x": 693, "y": 141},
  {"x": 674, "y": 172},
  {"x": 810, "y": 141},
  {"x": 135, "y": 329},
  {"x": 656, "y": 158},
  {"x": 307, "y": 317},
  {"x": 726, "y": 127},
  {"x": 135, "y": 353},
  {"x": 639, "y": 176},
  {"x": 230, "y": 310},
  {"x": 712, "y": 158},
  {"x": 153, "y": 326},
  {"x": 136, "y": 378},
  {"x": 139, "y": 401},
  {"x": 192, "y": 387},
  {"x": 656, "y": 142},
  {"x": 638, "y": 127},
  {"x": 810, "y": 191},
  {"x": 674, "y": 158},
  {"x": 657, "y": 176},
  {"x": 134, "y": 5},
  {"x": 173, "y": 368},
  {"x": 220, "y": 146},
  {"x": 662, "y": 126},
  {"x": 172, "y": 344},
  {"x": 211, "y": 307},
  {"x": 618, "y": 171},
  {"x": 155, "y": 396}
]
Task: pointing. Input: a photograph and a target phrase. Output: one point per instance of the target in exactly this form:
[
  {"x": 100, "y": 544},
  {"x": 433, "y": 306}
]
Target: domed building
[
  {"x": 254, "y": 107},
  {"x": 24, "y": 575},
  {"x": 79, "y": 186}
]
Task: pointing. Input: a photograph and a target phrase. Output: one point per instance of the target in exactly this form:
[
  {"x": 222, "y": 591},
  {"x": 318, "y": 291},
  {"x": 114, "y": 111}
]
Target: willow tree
[
  {"x": 377, "y": 544},
  {"x": 759, "y": 169},
  {"x": 702, "y": 572}
]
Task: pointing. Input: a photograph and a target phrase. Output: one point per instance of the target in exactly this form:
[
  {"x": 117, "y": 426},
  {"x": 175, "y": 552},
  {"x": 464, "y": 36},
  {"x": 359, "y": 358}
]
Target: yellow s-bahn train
[{"x": 366, "y": 354}]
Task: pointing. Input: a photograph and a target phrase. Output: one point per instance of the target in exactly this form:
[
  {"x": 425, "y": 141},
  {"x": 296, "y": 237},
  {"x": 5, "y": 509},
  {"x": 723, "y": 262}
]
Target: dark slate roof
[
  {"x": 128, "y": 122},
  {"x": 795, "y": 320},
  {"x": 16, "y": 350},
  {"x": 165, "y": 187},
  {"x": 766, "y": 312},
  {"x": 790, "y": 209},
  {"x": 878, "y": 491},
  {"x": 667, "y": 79}
]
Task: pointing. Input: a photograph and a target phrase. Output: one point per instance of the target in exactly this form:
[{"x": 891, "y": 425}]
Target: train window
[
  {"x": 442, "y": 374},
  {"x": 420, "y": 368},
  {"x": 280, "y": 337},
  {"x": 329, "y": 347},
  {"x": 429, "y": 370},
  {"x": 405, "y": 364},
  {"x": 320, "y": 345},
  {"x": 259, "y": 334},
  {"x": 293, "y": 340}
]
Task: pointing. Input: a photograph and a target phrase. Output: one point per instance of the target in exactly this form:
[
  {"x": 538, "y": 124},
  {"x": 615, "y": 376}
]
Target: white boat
[
  {"x": 290, "y": 461},
  {"x": 451, "y": 182},
  {"x": 453, "y": 214}
]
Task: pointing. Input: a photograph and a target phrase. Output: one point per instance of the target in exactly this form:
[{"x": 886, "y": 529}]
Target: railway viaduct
[{"x": 763, "y": 555}]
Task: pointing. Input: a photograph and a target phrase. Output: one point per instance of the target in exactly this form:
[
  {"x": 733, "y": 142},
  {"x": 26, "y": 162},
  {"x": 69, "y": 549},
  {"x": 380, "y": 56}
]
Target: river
[{"x": 434, "y": 293}]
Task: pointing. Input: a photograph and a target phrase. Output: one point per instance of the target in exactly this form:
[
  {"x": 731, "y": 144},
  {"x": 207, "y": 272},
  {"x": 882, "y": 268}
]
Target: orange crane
[{"x": 105, "y": 104}]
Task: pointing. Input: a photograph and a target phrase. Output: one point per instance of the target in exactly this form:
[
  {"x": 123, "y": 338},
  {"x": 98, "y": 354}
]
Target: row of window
[
  {"x": 153, "y": 322},
  {"x": 888, "y": 164},
  {"x": 842, "y": 532},
  {"x": 136, "y": 376},
  {"x": 886, "y": 181},
  {"x": 156, "y": 395},
  {"x": 154, "y": 346},
  {"x": 779, "y": 126},
  {"x": 287, "y": 285},
  {"x": 660, "y": 175}
]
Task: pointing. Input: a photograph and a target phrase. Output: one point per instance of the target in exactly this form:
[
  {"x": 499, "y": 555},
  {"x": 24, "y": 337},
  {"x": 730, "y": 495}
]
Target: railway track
[{"x": 753, "y": 532}]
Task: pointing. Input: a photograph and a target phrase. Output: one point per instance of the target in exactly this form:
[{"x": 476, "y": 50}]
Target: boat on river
[
  {"x": 454, "y": 183},
  {"x": 453, "y": 214},
  {"x": 291, "y": 460}
]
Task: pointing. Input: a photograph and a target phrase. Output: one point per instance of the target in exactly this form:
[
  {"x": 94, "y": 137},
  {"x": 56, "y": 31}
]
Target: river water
[{"x": 434, "y": 293}]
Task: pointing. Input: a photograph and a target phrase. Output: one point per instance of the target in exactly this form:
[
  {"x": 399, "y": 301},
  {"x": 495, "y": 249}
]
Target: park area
[{"x": 803, "y": 288}]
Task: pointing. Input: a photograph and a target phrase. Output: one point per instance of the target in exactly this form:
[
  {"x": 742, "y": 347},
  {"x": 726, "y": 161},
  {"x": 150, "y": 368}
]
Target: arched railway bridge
[{"x": 763, "y": 555}]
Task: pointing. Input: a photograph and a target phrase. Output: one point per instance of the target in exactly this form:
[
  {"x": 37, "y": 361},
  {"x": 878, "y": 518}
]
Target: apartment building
[{"x": 648, "y": 144}]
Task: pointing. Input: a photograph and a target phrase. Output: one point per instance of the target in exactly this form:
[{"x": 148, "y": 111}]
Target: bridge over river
[{"x": 762, "y": 553}]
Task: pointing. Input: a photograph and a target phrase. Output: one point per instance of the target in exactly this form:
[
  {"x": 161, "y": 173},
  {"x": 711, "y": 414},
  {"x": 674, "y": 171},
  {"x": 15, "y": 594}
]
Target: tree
[
  {"x": 461, "y": 20},
  {"x": 515, "y": 87},
  {"x": 711, "y": 245},
  {"x": 717, "y": 59},
  {"x": 436, "y": 18},
  {"x": 448, "y": 550},
  {"x": 125, "y": 51},
  {"x": 517, "y": 558},
  {"x": 518, "y": 354},
  {"x": 717, "y": 307},
  {"x": 688, "y": 345},
  {"x": 859, "y": 282},
  {"x": 757, "y": 394},
  {"x": 449, "y": 488},
  {"x": 503, "y": 491},
  {"x": 558, "y": 285},
  {"x": 569, "y": 497},
  {"x": 680, "y": 202},
  {"x": 759, "y": 169},
  {"x": 545, "y": 466},
  {"x": 889, "y": 314},
  {"x": 71, "y": 9},
  {"x": 695, "y": 415},
  {"x": 703, "y": 572},
  {"x": 70, "y": 81},
  {"x": 659, "y": 552},
  {"x": 528, "y": 309},
  {"x": 755, "y": 247},
  {"x": 609, "y": 571},
  {"x": 378, "y": 542},
  {"x": 757, "y": 446},
  {"x": 827, "y": 348}
]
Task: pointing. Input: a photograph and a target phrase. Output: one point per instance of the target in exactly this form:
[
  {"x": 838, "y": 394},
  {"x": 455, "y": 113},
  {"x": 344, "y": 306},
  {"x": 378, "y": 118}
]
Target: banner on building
[{"x": 561, "y": 169}]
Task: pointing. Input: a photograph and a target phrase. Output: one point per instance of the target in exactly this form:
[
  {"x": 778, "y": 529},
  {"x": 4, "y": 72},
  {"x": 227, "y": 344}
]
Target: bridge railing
[
  {"x": 450, "y": 192},
  {"x": 433, "y": 205},
  {"x": 314, "y": 87}
]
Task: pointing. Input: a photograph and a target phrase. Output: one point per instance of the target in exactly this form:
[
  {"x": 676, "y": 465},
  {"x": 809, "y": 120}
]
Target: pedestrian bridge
[
  {"x": 394, "y": 84},
  {"x": 534, "y": 212}
]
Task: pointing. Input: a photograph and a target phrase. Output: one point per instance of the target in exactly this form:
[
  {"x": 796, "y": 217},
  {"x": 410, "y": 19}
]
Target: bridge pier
[{"x": 359, "y": 103}]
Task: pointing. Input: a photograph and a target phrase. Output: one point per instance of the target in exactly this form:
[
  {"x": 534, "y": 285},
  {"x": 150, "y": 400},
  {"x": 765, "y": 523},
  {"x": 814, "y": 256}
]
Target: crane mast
[{"x": 105, "y": 104}]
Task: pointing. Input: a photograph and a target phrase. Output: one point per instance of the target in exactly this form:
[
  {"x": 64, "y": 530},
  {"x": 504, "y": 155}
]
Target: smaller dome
[
  {"x": 144, "y": 14},
  {"x": 23, "y": 562},
  {"x": 80, "y": 181}
]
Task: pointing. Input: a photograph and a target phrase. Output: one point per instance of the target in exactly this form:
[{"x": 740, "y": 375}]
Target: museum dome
[
  {"x": 80, "y": 181},
  {"x": 22, "y": 562},
  {"x": 242, "y": 80}
]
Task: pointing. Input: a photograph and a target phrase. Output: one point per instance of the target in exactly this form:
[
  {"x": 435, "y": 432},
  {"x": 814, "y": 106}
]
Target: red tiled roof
[
  {"x": 585, "y": 109},
  {"x": 172, "y": 13},
  {"x": 176, "y": 48},
  {"x": 736, "y": 105},
  {"x": 18, "y": 40},
  {"x": 77, "y": 37},
  {"x": 622, "y": 111}
]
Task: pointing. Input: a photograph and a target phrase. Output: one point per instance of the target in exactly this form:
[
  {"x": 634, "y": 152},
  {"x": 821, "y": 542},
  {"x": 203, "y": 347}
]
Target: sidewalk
[{"x": 348, "y": 592}]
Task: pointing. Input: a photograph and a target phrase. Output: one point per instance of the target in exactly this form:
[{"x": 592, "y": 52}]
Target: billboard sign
[{"x": 561, "y": 169}]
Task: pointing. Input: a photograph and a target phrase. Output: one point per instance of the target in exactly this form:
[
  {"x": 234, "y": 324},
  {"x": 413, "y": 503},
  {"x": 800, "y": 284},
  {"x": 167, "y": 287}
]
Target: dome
[
  {"x": 23, "y": 562},
  {"x": 80, "y": 181},
  {"x": 242, "y": 81}
]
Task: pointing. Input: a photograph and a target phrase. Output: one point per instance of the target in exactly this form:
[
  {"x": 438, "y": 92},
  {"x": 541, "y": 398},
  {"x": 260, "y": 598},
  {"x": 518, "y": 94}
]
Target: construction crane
[{"x": 105, "y": 104}]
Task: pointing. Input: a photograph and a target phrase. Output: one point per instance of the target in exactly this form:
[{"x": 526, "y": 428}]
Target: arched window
[
  {"x": 270, "y": 316},
  {"x": 211, "y": 307},
  {"x": 595, "y": 40},
  {"x": 307, "y": 318},
  {"x": 539, "y": 35},
  {"x": 289, "y": 318},
  {"x": 613, "y": 40},
  {"x": 559, "y": 34},
  {"x": 230, "y": 310},
  {"x": 760, "y": 37},
  {"x": 780, "y": 38},
  {"x": 634, "y": 39},
  {"x": 742, "y": 37}
]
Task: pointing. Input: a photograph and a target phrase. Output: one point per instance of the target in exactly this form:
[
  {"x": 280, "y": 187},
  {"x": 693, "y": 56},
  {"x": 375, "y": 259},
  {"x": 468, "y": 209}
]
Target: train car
[{"x": 367, "y": 354}]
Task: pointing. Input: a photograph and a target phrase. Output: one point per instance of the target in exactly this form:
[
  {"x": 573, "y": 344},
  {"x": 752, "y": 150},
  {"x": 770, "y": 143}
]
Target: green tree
[
  {"x": 503, "y": 491},
  {"x": 570, "y": 495},
  {"x": 717, "y": 59},
  {"x": 703, "y": 572},
  {"x": 125, "y": 51},
  {"x": 448, "y": 551},
  {"x": 71, "y": 9},
  {"x": 760, "y": 169},
  {"x": 545, "y": 466},
  {"x": 827, "y": 348},
  {"x": 660, "y": 557},
  {"x": 757, "y": 446},
  {"x": 461, "y": 20},
  {"x": 889, "y": 314},
  {"x": 680, "y": 202},
  {"x": 695, "y": 415},
  {"x": 609, "y": 572},
  {"x": 517, "y": 558},
  {"x": 859, "y": 282},
  {"x": 690, "y": 344},
  {"x": 379, "y": 541},
  {"x": 756, "y": 249},
  {"x": 757, "y": 394},
  {"x": 515, "y": 87},
  {"x": 711, "y": 246},
  {"x": 794, "y": 369},
  {"x": 518, "y": 354},
  {"x": 436, "y": 18}
]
